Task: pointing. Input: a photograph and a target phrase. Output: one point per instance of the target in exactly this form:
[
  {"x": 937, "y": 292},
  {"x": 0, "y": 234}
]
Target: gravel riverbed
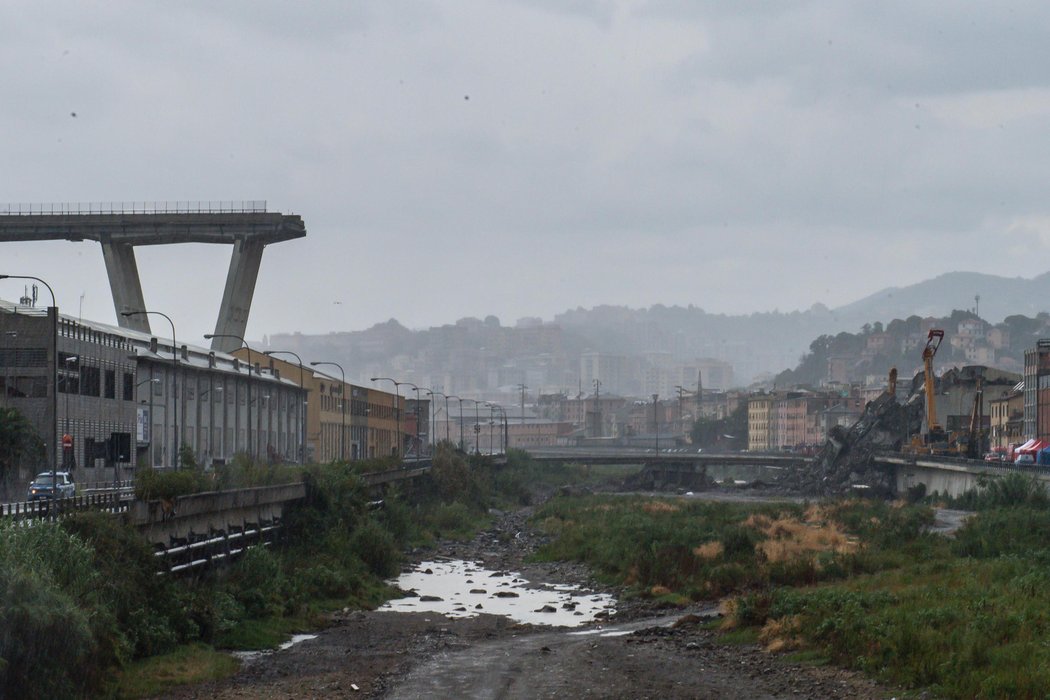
[{"x": 642, "y": 651}]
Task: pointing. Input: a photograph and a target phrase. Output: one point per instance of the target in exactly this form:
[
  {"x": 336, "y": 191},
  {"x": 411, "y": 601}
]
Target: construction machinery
[
  {"x": 935, "y": 440},
  {"x": 934, "y": 432},
  {"x": 974, "y": 437}
]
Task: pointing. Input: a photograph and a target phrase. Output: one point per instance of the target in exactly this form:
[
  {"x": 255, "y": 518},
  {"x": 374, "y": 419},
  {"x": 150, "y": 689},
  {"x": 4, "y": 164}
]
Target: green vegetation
[
  {"x": 1012, "y": 489},
  {"x": 21, "y": 449},
  {"x": 241, "y": 472},
  {"x": 856, "y": 583},
  {"x": 708, "y": 550},
  {"x": 81, "y": 598},
  {"x": 192, "y": 663},
  {"x": 729, "y": 433}
]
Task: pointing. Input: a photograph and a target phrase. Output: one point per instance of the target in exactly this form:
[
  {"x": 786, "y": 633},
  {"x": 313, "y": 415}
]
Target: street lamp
[
  {"x": 209, "y": 336},
  {"x": 54, "y": 388},
  {"x": 342, "y": 406},
  {"x": 477, "y": 428},
  {"x": 397, "y": 408},
  {"x": 492, "y": 424},
  {"x": 460, "y": 419},
  {"x": 302, "y": 414},
  {"x": 433, "y": 421},
  {"x": 416, "y": 439},
  {"x": 174, "y": 375}
]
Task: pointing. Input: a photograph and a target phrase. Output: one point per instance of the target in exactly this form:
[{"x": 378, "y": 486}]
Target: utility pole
[
  {"x": 598, "y": 403},
  {"x": 699, "y": 392},
  {"x": 681, "y": 424},
  {"x": 522, "y": 388},
  {"x": 656, "y": 422}
]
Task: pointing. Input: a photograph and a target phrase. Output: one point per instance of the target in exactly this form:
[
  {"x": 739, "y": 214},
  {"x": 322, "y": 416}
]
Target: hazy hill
[
  {"x": 757, "y": 344},
  {"x": 1000, "y": 297},
  {"x": 770, "y": 342}
]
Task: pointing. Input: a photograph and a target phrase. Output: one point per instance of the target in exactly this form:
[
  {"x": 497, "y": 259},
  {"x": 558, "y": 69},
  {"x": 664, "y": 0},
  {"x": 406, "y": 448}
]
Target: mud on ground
[{"x": 370, "y": 654}]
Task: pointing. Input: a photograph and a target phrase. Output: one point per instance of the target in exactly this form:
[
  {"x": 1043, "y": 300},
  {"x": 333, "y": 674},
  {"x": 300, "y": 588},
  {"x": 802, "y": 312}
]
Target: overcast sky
[{"x": 464, "y": 158}]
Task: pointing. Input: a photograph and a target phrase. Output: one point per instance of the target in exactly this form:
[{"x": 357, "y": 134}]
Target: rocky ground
[{"x": 642, "y": 652}]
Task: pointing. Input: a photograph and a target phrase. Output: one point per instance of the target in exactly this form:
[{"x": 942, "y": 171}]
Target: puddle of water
[
  {"x": 296, "y": 638},
  {"x": 253, "y": 655},
  {"x": 465, "y": 589}
]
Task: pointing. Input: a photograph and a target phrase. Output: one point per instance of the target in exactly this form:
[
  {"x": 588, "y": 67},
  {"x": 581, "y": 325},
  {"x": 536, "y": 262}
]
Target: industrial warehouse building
[{"x": 110, "y": 391}]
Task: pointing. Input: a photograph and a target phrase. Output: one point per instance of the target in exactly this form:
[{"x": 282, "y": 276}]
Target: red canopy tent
[{"x": 1030, "y": 447}]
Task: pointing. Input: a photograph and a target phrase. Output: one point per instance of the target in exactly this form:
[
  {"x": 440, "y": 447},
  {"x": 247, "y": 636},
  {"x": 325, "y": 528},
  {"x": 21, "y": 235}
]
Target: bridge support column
[
  {"x": 237, "y": 299},
  {"x": 124, "y": 283}
]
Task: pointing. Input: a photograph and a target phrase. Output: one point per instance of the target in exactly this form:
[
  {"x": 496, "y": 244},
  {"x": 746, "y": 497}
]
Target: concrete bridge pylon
[{"x": 120, "y": 227}]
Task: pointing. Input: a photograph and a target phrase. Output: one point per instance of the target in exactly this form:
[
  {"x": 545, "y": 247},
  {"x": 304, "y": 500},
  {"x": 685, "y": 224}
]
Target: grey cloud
[{"x": 889, "y": 48}]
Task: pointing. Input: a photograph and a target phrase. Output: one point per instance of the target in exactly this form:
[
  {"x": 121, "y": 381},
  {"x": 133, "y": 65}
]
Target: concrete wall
[
  {"x": 950, "y": 479},
  {"x": 204, "y": 514}
]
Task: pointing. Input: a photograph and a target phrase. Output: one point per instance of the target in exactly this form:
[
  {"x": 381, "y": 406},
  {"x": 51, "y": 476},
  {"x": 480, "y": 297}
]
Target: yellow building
[
  {"x": 1007, "y": 420},
  {"x": 364, "y": 426},
  {"x": 759, "y": 437}
]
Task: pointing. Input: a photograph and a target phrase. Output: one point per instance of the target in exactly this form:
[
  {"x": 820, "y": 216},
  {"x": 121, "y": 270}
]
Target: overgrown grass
[
  {"x": 241, "y": 472},
  {"x": 195, "y": 663},
  {"x": 1005, "y": 491},
  {"x": 81, "y": 600},
  {"x": 707, "y": 550},
  {"x": 858, "y": 584}
]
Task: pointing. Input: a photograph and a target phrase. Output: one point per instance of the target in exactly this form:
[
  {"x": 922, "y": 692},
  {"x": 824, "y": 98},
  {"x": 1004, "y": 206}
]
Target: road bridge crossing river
[{"x": 634, "y": 455}]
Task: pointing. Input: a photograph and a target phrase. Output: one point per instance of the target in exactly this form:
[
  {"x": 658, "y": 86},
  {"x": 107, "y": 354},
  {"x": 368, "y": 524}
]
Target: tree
[
  {"x": 20, "y": 446},
  {"x": 728, "y": 433}
]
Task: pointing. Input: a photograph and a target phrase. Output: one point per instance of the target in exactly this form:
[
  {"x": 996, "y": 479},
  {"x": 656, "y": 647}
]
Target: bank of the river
[{"x": 640, "y": 652}]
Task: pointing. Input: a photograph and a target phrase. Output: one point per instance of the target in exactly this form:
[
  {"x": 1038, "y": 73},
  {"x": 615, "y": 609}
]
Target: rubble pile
[{"x": 845, "y": 462}]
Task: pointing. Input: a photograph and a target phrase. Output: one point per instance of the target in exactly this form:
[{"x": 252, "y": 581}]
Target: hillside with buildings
[{"x": 640, "y": 352}]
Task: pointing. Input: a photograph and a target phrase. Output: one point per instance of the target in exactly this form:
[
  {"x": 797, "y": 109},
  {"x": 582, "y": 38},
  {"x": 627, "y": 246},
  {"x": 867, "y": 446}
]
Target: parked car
[
  {"x": 42, "y": 487},
  {"x": 1024, "y": 459}
]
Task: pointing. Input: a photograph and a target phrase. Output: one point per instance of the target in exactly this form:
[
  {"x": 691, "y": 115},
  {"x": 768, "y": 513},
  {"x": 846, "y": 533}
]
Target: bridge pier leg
[
  {"x": 237, "y": 298},
  {"x": 124, "y": 283}
]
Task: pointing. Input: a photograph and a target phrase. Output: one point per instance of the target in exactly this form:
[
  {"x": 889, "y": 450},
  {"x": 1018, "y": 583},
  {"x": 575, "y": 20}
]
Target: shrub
[
  {"x": 738, "y": 541},
  {"x": 144, "y": 606},
  {"x": 152, "y": 484},
  {"x": 258, "y": 579},
  {"x": 46, "y": 640},
  {"x": 398, "y": 520},
  {"x": 376, "y": 548},
  {"x": 453, "y": 478},
  {"x": 1003, "y": 531},
  {"x": 52, "y": 614},
  {"x": 1012, "y": 489},
  {"x": 450, "y": 519}
]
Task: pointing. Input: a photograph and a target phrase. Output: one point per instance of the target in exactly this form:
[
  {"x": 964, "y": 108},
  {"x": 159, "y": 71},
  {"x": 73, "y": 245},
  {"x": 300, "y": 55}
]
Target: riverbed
[{"x": 457, "y": 588}]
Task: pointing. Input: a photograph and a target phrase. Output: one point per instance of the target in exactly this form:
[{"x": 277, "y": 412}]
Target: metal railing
[
  {"x": 26, "y": 512},
  {"x": 247, "y": 206},
  {"x": 215, "y": 547}
]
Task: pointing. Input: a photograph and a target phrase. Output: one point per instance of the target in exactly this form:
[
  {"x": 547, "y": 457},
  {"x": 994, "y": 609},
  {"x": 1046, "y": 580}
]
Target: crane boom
[{"x": 933, "y": 341}]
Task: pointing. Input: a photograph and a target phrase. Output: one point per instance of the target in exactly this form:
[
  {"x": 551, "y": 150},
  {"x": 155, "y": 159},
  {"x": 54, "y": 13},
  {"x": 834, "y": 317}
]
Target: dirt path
[{"x": 641, "y": 653}]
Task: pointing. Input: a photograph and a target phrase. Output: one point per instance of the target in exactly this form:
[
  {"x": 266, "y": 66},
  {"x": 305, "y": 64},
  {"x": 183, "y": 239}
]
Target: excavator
[
  {"x": 935, "y": 434},
  {"x": 974, "y": 439},
  {"x": 936, "y": 439}
]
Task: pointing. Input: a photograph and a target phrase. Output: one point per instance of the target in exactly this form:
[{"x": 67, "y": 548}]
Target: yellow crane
[{"x": 934, "y": 431}]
